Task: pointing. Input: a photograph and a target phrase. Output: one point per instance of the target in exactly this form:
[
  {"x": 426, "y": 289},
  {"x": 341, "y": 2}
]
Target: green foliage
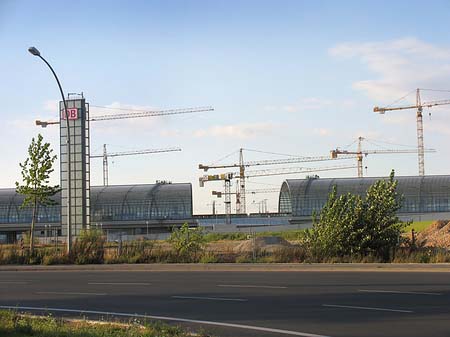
[
  {"x": 36, "y": 170},
  {"x": 351, "y": 225},
  {"x": 13, "y": 324},
  {"x": 88, "y": 248},
  {"x": 187, "y": 242}
]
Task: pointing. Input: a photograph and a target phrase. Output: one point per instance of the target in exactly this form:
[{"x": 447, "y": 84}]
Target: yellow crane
[
  {"x": 419, "y": 120},
  {"x": 227, "y": 177},
  {"x": 240, "y": 194},
  {"x": 360, "y": 153}
]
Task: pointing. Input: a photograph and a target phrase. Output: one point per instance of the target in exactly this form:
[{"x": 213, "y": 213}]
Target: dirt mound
[
  {"x": 262, "y": 243},
  {"x": 436, "y": 235}
]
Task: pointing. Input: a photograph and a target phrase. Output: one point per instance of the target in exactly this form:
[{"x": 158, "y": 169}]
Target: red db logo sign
[{"x": 73, "y": 114}]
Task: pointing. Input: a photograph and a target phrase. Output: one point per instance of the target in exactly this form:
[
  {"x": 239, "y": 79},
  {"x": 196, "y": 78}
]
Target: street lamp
[{"x": 34, "y": 51}]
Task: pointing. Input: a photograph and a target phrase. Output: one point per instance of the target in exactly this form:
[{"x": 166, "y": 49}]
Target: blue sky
[{"x": 297, "y": 77}]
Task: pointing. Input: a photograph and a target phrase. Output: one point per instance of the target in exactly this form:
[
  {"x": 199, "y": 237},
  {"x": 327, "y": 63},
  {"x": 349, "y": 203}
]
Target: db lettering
[{"x": 72, "y": 113}]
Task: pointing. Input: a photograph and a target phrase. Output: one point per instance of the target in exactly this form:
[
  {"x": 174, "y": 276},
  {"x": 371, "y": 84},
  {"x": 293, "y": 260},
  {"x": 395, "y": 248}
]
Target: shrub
[
  {"x": 351, "y": 225},
  {"x": 88, "y": 247},
  {"x": 187, "y": 242}
]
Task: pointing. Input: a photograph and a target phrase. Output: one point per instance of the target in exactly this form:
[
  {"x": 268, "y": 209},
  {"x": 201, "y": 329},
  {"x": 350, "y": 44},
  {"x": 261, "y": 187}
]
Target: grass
[
  {"x": 13, "y": 324},
  {"x": 240, "y": 236},
  {"x": 419, "y": 226}
]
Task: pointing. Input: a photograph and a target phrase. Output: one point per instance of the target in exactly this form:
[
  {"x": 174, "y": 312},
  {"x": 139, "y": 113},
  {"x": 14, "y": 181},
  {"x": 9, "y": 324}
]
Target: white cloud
[
  {"x": 170, "y": 133},
  {"x": 438, "y": 128},
  {"x": 322, "y": 132},
  {"x": 399, "y": 66},
  {"x": 241, "y": 131},
  {"x": 51, "y": 105}
]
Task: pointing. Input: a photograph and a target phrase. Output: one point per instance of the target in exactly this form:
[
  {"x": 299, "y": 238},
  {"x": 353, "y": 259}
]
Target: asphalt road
[{"x": 301, "y": 303}]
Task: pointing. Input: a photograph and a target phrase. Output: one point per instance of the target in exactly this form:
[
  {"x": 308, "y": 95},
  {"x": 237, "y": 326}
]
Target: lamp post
[{"x": 34, "y": 51}]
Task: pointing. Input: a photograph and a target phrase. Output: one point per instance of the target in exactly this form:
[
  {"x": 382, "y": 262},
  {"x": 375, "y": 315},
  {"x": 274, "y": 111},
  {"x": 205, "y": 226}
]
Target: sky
[{"x": 286, "y": 77}]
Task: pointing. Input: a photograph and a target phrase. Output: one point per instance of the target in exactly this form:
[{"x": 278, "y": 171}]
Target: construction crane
[
  {"x": 227, "y": 177},
  {"x": 106, "y": 155},
  {"x": 419, "y": 120},
  {"x": 240, "y": 194},
  {"x": 360, "y": 153},
  {"x": 140, "y": 114},
  {"x": 219, "y": 194}
]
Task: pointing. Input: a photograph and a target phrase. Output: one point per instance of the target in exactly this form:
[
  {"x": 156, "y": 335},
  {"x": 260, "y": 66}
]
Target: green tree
[
  {"x": 36, "y": 170},
  {"x": 187, "y": 242},
  {"x": 353, "y": 225}
]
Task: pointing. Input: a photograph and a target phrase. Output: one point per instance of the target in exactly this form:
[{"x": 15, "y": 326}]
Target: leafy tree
[
  {"x": 353, "y": 225},
  {"x": 36, "y": 170},
  {"x": 187, "y": 242}
]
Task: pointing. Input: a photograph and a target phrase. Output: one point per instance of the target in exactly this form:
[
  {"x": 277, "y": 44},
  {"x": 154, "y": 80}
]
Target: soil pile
[
  {"x": 262, "y": 243},
  {"x": 436, "y": 235}
]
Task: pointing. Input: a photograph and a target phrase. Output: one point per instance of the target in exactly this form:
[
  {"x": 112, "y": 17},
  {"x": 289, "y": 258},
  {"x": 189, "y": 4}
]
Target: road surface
[{"x": 304, "y": 303}]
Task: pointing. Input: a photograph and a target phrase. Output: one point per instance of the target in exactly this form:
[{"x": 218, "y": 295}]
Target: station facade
[{"x": 152, "y": 209}]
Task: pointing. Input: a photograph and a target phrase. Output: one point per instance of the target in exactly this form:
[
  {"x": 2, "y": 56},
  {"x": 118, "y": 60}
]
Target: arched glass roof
[
  {"x": 300, "y": 197},
  {"x": 111, "y": 203}
]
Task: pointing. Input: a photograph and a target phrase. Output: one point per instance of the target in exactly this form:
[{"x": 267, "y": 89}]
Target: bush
[
  {"x": 88, "y": 248},
  {"x": 350, "y": 225},
  {"x": 188, "y": 243}
]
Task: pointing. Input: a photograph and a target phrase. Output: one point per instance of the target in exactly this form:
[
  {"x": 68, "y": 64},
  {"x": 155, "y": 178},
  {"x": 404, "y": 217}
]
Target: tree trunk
[{"x": 33, "y": 221}]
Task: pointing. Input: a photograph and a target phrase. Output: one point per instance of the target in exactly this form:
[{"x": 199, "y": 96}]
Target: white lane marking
[
  {"x": 67, "y": 293},
  {"x": 398, "y": 292},
  {"x": 211, "y": 298},
  {"x": 165, "y": 318},
  {"x": 120, "y": 283},
  {"x": 365, "y": 308},
  {"x": 249, "y": 286},
  {"x": 13, "y": 282}
]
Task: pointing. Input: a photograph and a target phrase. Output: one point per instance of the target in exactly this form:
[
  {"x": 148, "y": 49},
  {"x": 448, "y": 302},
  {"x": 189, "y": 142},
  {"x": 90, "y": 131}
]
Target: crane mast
[
  {"x": 419, "y": 121},
  {"x": 420, "y": 146},
  {"x": 228, "y": 177},
  {"x": 242, "y": 176},
  {"x": 240, "y": 193}
]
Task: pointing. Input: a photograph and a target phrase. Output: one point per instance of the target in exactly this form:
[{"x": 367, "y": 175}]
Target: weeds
[
  {"x": 14, "y": 324},
  {"x": 91, "y": 248}
]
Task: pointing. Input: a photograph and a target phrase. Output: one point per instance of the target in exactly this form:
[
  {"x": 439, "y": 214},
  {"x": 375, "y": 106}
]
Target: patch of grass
[
  {"x": 240, "y": 236},
  {"x": 419, "y": 226},
  {"x": 13, "y": 324}
]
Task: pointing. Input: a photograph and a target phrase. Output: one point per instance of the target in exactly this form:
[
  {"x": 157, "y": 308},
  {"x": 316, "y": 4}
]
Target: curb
[{"x": 240, "y": 267}]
